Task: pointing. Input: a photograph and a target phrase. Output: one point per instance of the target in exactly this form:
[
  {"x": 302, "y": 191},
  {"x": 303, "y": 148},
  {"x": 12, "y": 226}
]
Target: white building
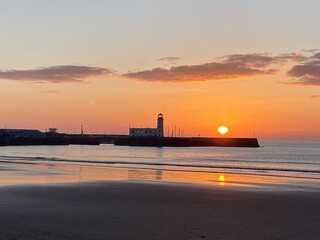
[{"x": 149, "y": 132}]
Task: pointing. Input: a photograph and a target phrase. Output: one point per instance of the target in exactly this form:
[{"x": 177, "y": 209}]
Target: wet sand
[{"x": 155, "y": 210}]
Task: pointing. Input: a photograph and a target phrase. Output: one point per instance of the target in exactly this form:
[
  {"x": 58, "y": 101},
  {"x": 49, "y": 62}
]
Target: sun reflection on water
[
  {"x": 221, "y": 180},
  {"x": 21, "y": 172}
]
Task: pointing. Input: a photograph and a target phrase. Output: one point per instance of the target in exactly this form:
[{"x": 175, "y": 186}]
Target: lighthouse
[
  {"x": 149, "y": 132},
  {"x": 160, "y": 125}
]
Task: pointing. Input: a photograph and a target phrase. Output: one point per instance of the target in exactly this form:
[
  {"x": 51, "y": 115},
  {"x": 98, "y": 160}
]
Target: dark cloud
[
  {"x": 204, "y": 72},
  {"x": 289, "y": 57},
  {"x": 249, "y": 60},
  {"x": 234, "y": 66},
  {"x": 315, "y": 56},
  {"x": 55, "y": 74},
  {"x": 261, "y": 60},
  {"x": 315, "y": 96},
  {"x": 306, "y": 72}
]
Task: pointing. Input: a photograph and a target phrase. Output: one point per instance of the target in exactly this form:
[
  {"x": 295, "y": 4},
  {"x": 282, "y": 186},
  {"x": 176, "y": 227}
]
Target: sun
[{"x": 223, "y": 130}]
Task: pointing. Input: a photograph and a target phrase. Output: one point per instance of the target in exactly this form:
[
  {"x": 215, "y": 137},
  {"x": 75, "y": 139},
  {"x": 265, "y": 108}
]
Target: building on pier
[{"x": 149, "y": 132}]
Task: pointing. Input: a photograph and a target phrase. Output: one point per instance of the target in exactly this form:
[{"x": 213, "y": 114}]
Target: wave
[
  {"x": 211, "y": 160},
  {"x": 13, "y": 159}
]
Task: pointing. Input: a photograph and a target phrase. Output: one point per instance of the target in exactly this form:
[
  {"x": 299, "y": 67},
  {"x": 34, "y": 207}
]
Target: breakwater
[
  {"x": 187, "y": 142},
  {"x": 124, "y": 140}
]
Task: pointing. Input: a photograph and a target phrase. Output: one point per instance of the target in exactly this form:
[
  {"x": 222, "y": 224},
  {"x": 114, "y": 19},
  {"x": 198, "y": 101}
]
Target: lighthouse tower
[{"x": 160, "y": 125}]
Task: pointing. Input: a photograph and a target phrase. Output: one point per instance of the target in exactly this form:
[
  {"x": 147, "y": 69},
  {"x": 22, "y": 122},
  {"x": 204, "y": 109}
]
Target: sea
[{"x": 276, "y": 164}]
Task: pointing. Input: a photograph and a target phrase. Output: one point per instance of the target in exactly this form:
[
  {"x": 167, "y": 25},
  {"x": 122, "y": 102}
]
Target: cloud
[
  {"x": 316, "y": 56},
  {"x": 236, "y": 66},
  {"x": 55, "y": 74},
  {"x": 306, "y": 72},
  {"x": 168, "y": 59},
  {"x": 310, "y": 50},
  {"x": 249, "y": 60},
  {"x": 262, "y": 60},
  {"x": 195, "y": 73},
  {"x": 315, "y": 96},
  {"x": 289, "y": 57}
]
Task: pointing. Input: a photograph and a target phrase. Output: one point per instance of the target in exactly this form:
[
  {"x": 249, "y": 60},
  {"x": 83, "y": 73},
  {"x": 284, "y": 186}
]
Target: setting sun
[{"x": 223, "y": 130}]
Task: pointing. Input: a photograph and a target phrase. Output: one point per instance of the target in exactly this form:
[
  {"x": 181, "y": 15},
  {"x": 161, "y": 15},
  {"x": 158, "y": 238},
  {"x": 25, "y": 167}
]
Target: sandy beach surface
[{"x": 155, "y": 210}]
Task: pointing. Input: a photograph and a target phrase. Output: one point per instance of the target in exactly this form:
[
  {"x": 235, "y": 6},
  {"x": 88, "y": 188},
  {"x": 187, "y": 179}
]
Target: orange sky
[
  {"x": 253, "y": 66},
  {"x": 270, "y": 110}
]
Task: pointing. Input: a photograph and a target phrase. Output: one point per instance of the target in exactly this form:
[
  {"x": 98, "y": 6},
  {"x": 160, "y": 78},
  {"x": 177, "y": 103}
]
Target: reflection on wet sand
[
  {"x": 141, "y": 174},
  {"x": 35, "y": 173},
  {"x": 221, "y": 180}
]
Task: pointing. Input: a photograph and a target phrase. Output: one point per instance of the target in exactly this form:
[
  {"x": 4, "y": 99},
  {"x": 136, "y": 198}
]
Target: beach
[
  {"x": 154, "y": 210},
  {"x": 110, "y": 192}
]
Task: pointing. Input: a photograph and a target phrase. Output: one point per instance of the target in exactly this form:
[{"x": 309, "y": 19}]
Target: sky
[{"x": 251, "y": 65}]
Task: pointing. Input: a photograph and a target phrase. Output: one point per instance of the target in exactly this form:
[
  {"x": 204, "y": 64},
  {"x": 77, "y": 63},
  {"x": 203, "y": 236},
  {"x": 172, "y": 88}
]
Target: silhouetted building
[
  {"x": 21, "y": 133},
  {"x": 53, "y": 130},
  {"x": 149, "y": 132}
]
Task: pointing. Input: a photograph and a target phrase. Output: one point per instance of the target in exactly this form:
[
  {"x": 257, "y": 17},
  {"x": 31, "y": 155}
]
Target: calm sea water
[{"x": 275, "y": 158}]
